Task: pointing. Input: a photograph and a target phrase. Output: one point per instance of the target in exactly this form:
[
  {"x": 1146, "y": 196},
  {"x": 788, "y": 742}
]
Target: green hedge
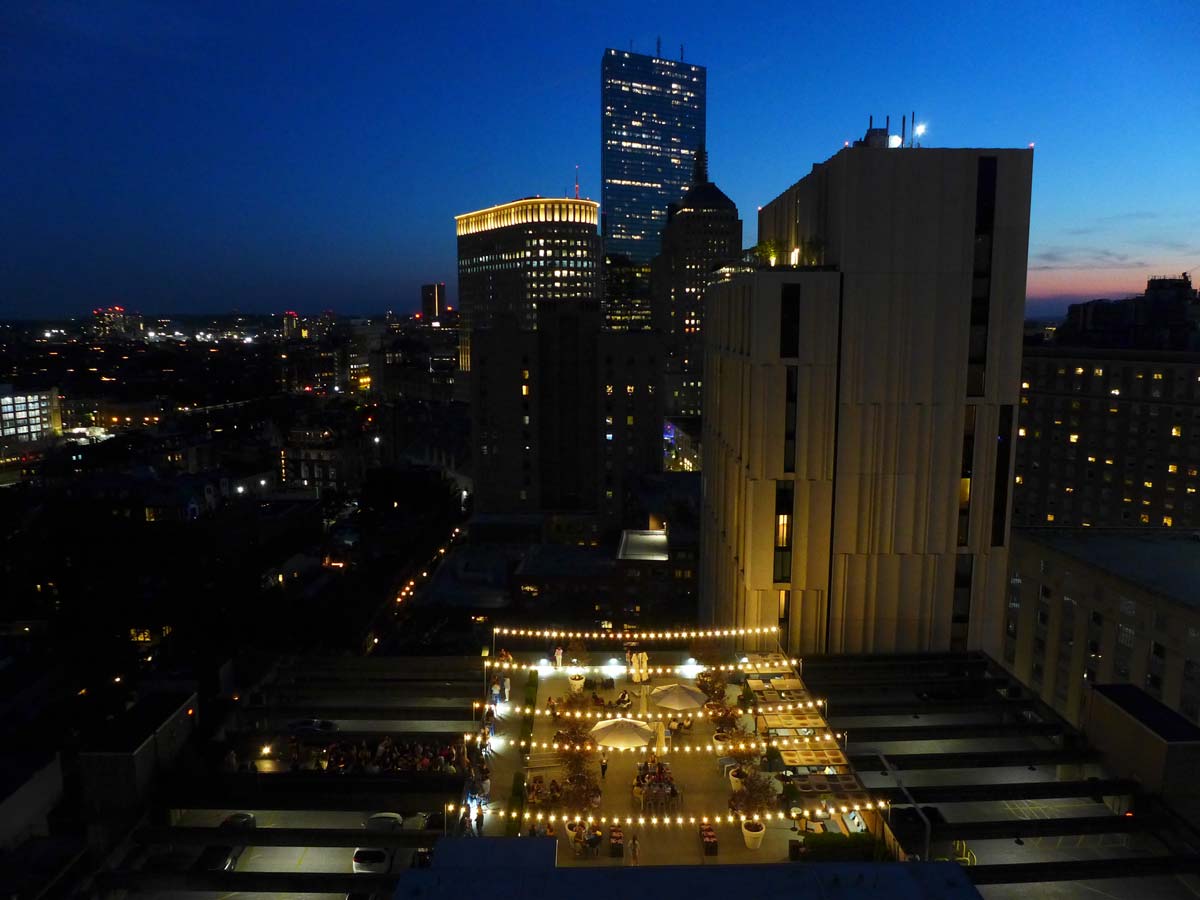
[{"x": 517, "y": 798}]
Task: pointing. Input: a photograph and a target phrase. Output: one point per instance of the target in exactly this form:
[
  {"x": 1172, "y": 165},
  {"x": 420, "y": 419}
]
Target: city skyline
[{"x": 183, "y": 161}]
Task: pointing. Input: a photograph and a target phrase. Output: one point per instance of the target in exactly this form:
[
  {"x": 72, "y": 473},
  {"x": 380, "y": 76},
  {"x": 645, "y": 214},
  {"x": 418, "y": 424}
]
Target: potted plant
[
  {"x": 743, "y": 747},
  {"x": 756, "y": 797},
  {"x": 746, "y": 700},
  {"x": 712, "y": 682}
]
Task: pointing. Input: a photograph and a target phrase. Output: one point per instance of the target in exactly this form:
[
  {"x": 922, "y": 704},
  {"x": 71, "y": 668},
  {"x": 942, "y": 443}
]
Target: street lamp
[{"x": 919, "y": 131}]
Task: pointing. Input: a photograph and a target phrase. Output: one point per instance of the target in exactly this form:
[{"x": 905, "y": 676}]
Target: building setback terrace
[{"x": 685, "y": 743}]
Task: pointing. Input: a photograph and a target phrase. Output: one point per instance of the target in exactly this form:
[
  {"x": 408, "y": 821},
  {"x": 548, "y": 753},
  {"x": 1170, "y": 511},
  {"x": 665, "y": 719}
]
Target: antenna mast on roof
[
  {"x": 681, "y": 52},
  {"x": 658, "y": 47},
  {"x": 576, "y": 181}
]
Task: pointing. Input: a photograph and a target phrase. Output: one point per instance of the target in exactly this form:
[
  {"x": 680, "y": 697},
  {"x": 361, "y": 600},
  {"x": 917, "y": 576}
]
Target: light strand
[
  {"x": 621, "y": 669},
  {"x": 794, "y": 743},
  {"x": 779, "y": 709},
  {"x": 715, "y": 819},
  {"x": 633, "y": 635}
]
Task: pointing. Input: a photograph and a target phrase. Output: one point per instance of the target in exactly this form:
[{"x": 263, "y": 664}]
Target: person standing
[
  {"x": 634, "y": 850},
  {"x": 479, "y": 820},
  {"x": 603, "y": 764},
  {"x": 495, "y": 691},
  {"x": 485, "y": 794},
  {"x": 507, "y": 687},
  {"x": 558, "y": 657}
]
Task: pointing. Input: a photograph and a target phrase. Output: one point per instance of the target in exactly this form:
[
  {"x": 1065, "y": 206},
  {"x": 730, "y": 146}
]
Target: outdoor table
[
  {"x": 790, "y": 757},
  {"x": 756, "y": 684},
  {"x": 708, "y": 840},
  {"x": 787, "y": 684}
]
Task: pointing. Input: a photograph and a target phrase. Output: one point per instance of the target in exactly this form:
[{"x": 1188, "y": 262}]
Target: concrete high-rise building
[
  {"x": 703, "y": 231},
  {"x": 433, "y": 301},
  {"x": 652, "y": 123},
  {"x": 1108, "y": 438},
  {"x": 859, "y": 404},
  {"x": 564, "y": 416},
  {"x": 514, "y": 256}
]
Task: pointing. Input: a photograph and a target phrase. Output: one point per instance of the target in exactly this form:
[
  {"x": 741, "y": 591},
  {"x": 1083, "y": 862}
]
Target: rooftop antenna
[
  {"x": 576, "y": 181},
  {"x": 681, "y": 52},
  {"x": 913, "y": 120},
  {"x": 903, "y": 129},
  {"x": 658, "y": 47}
]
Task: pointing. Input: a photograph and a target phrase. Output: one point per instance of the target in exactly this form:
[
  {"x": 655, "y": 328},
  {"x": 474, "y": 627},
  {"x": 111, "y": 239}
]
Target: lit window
[
  {"x": 1158, "y": 376},
  {"x": 1097, "y": 371},
  {"x": 629, "y": 420},
  {"x": 1144, "y": 518},
  {"x": 608, "y": 389},
  {"x": 1176, "y": 431},
  {"x": 1172, "y": 468},
  {"x": 525, "y": 374},
  {"x": 1108, "y": 462},
  {"x": 1091, "y": 459},
  {"x": 1148, "y": 484},
  {"x": 1049, "y": 517},
  {"x": 524, "y": 390},
  {"x": 629, "y": 389},
  {"x": 1074, "y": 439},
  {"x": 1079, "y": 370},
  {"x": 1116, "y": 392},
  {"x": 1021, "y": 432},
  {"x": 1168, "y": 521},
  {"x": 1020, "y": 479},
  {"x": 1025, "y": 385}
]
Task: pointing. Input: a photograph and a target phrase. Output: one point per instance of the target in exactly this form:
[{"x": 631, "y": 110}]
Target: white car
[
  {"x": 372, "y": 861},
  {"x": 384, "y": 821}
]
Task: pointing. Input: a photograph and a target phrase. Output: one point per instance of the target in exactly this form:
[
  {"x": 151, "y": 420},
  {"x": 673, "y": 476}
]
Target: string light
[
  {"x": 633, "y": 635},
  {"x": 776, "y": 709},
  {"x": 621, "y": 669},
  {"x": 592, "y": 818},
  {"x": 798, "y": 742}
]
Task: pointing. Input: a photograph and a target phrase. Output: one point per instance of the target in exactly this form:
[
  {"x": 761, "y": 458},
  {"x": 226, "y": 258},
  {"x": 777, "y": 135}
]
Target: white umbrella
[
  {"x": 622, "y": 733},
  {"x": 679, "y": 696},
  {"x": 643, "y": 706}
]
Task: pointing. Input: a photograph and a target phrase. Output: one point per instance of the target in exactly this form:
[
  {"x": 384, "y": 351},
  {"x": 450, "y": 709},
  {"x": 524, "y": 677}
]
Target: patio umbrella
[
  {"x": 678, "y": 696},
  {"x": 643, "y": 694},
  {"x": 622, "y": 733}
]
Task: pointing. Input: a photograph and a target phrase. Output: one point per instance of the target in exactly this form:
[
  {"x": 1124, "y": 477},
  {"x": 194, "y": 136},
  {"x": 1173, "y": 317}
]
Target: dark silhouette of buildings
[
  {"x": 433, "y": 301},
  {"x": 703, "y": 231}
]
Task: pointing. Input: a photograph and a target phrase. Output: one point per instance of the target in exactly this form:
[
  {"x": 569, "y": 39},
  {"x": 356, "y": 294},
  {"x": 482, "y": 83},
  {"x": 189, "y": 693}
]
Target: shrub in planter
[
  {"x": 743, "y": 747},
  {"x": 712, "y": 682},
  {"x": 756, "y": 797},
  {"x": 746, "y": 700}
]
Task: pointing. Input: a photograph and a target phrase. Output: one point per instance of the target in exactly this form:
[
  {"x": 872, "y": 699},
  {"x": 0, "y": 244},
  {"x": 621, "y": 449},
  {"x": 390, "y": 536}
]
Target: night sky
[{"x": 200, "y": 157}]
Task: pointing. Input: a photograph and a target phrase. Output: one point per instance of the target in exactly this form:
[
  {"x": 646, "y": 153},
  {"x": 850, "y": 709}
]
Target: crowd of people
[{"x": 389, "y": 756}]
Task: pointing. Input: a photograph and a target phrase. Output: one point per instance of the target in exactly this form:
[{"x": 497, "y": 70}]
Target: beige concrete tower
[{"x": 859, "y": 404}]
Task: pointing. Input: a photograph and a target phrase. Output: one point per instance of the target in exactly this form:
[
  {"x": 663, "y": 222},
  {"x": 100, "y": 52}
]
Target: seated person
[
  {"x": 686, "y": 725},
  {"x": 623, "y": 699},
  {"x": 638, "y": 791},
  {"x": 596, "y": 701},
  {"x": 672, "y": 791}
]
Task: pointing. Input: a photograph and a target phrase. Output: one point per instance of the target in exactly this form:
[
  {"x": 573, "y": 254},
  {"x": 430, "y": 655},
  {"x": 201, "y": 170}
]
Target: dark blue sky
[{"x": 202, "y": 156}]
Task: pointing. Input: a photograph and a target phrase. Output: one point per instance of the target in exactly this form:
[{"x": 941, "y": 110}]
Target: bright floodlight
[
  {"x": 893, "y": 141},
  {"x": 919, "y": 130}
]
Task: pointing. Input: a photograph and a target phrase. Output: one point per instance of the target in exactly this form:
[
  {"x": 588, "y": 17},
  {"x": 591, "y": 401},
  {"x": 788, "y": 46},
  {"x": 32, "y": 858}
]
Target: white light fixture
[{"x": 919, "y": 131}]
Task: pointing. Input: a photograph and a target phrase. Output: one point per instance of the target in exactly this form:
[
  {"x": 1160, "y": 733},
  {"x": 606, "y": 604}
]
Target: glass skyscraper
[{"x": 653, "y": 123}]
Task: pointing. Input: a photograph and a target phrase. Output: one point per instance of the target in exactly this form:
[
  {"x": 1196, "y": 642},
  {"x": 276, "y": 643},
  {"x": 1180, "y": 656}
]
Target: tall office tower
[
  {"x": 703, "y": 232},
  {"x": 652, "y": 123},
  {"x": 859, "y": 410},
  {"x": 433, "y": 301},
  {"x": 514, "y": 256},
  {"x": 1108, "y": 438},
  {"x": 564, "y": 416},
  {"x": 626, "y": 294}
]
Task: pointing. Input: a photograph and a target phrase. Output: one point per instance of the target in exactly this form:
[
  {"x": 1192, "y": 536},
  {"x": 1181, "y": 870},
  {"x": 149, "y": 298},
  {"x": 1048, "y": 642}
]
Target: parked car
[
  {"x": 312, "y": 726},
  {"x": 384, "y": 821},
  {"x": 372, "y": 861},
  {"x": 417, "y": 821},
  {"x": 218, "y": 858}
]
